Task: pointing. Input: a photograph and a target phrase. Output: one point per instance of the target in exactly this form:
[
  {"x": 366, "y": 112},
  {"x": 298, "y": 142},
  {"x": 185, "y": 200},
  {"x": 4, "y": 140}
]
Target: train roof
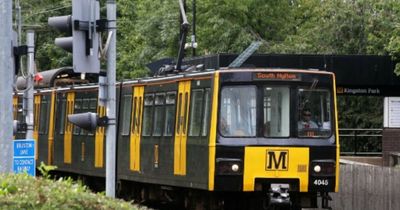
[{"x": 58, "y": 77}]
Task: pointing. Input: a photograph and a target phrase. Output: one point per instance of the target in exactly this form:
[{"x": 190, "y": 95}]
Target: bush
[{"x": 20, "y": 191}]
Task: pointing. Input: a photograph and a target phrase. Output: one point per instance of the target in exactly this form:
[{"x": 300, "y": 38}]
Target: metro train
[{"x": 209, "y": 138}]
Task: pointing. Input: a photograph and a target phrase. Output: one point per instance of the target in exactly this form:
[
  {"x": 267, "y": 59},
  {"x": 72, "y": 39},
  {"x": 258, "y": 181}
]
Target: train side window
[
  {"x": 276, "y": 107},
  {"x": 196, "y": 111},
  {"x": 158, "y": 114},
  {"x": 126, "y": 114},
  {"x": 62, "y": 107},
  {"x": 93, "y": 105},
  {"x": 169, "y": 113},
  {"x": 44, "y": 112},
  {"x": 85, "y": 103},
  {"x": 148, "y": 114},
  {"x": 206, "y": 113},
  {"x": 178, "y": 111},
  {"x": 134, "y": 120},
  {"x": 185, "y": 113},
  {"x": 77, "y": 109}
]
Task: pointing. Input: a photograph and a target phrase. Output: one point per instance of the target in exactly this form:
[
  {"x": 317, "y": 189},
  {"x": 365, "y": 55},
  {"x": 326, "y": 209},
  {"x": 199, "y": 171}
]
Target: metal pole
[
  {"x": 6, "y": 89},
  {"x": 111, "y": 103},
  {"x": 28, "y": 95},
  {"x": 194, "y": 29},
  {"x": 18, "y": 7},
  {"x": 355, "y": 142}
]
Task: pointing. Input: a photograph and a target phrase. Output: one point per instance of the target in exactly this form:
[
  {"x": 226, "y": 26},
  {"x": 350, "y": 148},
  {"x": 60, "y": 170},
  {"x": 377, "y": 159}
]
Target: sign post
[
  {"x": 6, "y": 89},
  {"x": 24, "y": 157}
]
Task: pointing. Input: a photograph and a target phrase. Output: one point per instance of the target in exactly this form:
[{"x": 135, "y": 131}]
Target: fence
[
  {"x": 360, "y": 141},
  {"x": 366, "y": 187}
]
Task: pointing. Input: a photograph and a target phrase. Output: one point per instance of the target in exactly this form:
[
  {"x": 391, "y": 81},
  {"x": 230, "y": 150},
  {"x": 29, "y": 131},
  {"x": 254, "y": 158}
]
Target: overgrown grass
[{"x": 20, "y": 191}]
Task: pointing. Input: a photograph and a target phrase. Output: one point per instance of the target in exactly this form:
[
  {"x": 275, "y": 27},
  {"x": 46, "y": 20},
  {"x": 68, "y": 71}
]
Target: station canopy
[{"x": 355, "y": 74}]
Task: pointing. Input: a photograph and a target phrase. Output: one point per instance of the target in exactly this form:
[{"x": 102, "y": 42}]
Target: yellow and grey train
[{"x": 244, "y": 138}]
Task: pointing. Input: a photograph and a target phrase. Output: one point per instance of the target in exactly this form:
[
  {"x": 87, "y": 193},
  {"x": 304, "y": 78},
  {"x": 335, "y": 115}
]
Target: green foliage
[
  {"x": 6, "y": 188},
  {"x": 149, "y": 29},
  {"x": 365, "y": 112},
  {"x": 21, "y": 191},
  {"x": 360, "y": 112},
  {"x": 35, "y": 13},
  {"x": 45, "y": 169}
]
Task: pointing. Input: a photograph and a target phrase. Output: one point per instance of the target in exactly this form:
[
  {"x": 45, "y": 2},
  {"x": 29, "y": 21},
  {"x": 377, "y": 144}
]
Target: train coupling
[{"x": 279, "y": 195}]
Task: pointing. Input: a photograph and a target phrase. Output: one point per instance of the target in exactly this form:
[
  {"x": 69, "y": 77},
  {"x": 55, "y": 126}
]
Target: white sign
[{"x": 391, "y": 112}]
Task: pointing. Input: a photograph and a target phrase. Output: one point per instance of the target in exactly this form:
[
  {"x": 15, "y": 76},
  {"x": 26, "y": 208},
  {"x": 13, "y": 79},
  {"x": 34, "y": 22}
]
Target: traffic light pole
[
  {"x": 6, "y": 90},
  {"x": 111, "y": 102},
  {"x": 28, "y": 94}
]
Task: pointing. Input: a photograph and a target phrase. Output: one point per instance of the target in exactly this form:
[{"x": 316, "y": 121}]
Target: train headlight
[
  {"x": 235, "y": 167},
  {"x": 323, "y": 167},
  {"x": 317, "y": 168},
  {"x": 229, "y": 166}
]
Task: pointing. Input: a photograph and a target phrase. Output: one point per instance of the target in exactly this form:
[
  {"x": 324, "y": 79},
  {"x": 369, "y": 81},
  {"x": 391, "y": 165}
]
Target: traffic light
[
  {"x": 82, "y": 26},
  {"x": 18, "y": 52},
  {"x": 19, "y": 126}
]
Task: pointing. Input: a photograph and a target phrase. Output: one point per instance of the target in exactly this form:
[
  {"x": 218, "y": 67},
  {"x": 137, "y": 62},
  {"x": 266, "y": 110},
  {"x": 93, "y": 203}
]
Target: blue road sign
[
  {"x": 24, "y": 148},
  {"x": 25, "y": 165},
  {"x": 24, "y": 156}
]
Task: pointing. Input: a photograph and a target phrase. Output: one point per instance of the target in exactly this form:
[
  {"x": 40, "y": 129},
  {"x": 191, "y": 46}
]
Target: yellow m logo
[{"x": 280, "y": 163}]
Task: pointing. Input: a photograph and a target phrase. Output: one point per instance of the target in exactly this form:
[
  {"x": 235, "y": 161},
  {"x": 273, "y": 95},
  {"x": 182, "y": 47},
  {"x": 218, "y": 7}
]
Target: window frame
[
  {"x": 151, "y": 111},
  {"x": 170, "y": 105},
  {"x": 262, "y": 89},
  {"x": 193, "y": 110},
  {"x": 158, "y": 105},
  {"x": 256, "y": 88},
  {"x": 126, "y": 123},
  {"x": 331, "y": 113}
]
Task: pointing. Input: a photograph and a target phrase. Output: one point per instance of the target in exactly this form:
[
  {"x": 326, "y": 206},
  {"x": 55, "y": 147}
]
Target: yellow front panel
[
  {"x": 99, "y": 141},
  {"x": 36, "y": 116},
  {"x": 136, "y": 130},
  {"x": 68, "y": 128},
  {"x": 213, "y": 132},
  {"x": 275, "y": 163}
]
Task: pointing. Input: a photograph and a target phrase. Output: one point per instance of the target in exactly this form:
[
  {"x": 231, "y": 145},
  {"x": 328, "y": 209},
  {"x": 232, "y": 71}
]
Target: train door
[
  {"x": 99, "y": 140},
  {"x": 50, "y": 157},
  {"x": 181, "y": 128},
  {"x": 43, "y": 126},
  {"x": 68, "y": 129},
  {"x": 137, "y": 111},
  {"x": 36, "y": 112}
]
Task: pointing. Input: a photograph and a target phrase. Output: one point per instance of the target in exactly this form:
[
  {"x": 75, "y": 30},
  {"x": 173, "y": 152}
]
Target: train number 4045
[{"x": 320, "y": 182}]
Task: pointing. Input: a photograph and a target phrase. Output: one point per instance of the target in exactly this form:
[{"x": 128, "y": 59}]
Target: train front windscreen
[{"x": 269, "y": 111}]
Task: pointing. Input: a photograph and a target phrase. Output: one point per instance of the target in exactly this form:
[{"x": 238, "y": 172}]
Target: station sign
[{"x": 24, "y": 156}]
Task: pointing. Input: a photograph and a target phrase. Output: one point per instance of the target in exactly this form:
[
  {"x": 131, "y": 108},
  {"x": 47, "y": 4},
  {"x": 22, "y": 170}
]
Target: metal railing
[{"x": 361, "y": 141}]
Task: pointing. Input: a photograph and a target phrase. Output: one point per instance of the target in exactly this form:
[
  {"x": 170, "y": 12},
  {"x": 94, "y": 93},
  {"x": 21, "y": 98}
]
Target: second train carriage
[{"x": 233, "y": 131}]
